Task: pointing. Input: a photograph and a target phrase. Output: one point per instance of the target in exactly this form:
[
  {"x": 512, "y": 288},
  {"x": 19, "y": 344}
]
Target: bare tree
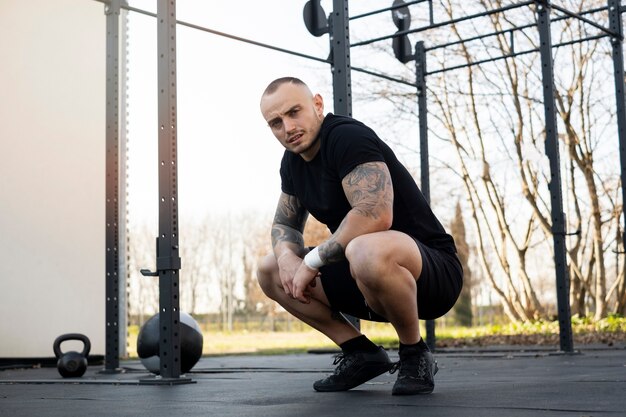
[
  {"x": 463, "y": 308},
  {"x": 222, "y": 259},
  {"x": 194, "y": 275},
  {"x": 143, "y": 292},
  {"x": 257, "y": 245}
]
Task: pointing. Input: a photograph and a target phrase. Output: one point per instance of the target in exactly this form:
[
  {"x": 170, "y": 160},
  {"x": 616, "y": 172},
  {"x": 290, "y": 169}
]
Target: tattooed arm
[
  {"x": 370, "y": 193},
  {"x": 287, "y": 240},
  {"x": 369, "y": 190},
  {"x": 288, "y": 226}
]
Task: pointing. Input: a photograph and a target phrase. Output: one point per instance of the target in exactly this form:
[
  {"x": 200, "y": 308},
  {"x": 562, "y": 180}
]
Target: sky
[{"x": 228, "y": 160}]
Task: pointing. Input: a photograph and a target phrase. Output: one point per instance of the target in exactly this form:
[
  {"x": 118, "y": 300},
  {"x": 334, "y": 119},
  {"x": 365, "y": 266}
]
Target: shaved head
[{"x": 273, "y": 86}]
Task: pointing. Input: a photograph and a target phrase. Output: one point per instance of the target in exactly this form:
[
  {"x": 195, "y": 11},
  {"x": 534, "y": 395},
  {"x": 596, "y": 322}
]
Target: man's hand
[
  {"x": 302, "y": 281},
  {"x": 288, "y": 264}
]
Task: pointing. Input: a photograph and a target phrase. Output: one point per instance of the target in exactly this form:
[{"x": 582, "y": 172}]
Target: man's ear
[{"x": 318, "y": 102}]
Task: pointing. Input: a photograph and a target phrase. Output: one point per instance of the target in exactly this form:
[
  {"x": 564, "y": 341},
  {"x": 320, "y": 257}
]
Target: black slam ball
[{"x": 191, "y": 341}]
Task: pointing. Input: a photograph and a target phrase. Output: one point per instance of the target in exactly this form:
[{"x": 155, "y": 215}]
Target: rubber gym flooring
[{"x": 498, "y": 381}]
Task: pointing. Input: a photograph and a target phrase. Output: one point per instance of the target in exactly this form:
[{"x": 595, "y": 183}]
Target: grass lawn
[
  {"x": 606, "y": 331},
  {"x": 244, "y": 341}
]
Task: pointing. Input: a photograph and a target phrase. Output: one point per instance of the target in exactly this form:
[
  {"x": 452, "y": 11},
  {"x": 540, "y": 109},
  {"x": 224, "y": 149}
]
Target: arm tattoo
[
  {"x": 282, "y": 233},
  {"x": 331, "y": 252},
  {"x": 289, "y": 221},
  {"x": 290, "y": 212},
  {"x": 368, "y": 189},
  {"x": 370, "y": 193}
]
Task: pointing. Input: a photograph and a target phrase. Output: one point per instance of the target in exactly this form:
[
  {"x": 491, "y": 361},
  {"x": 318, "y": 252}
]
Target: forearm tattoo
[
  {"x": 282, "y": 233},
  {"x": 331, "y": 252},
  {"x": 289, "y": 221},
  {"x": 368, "y": 189}
]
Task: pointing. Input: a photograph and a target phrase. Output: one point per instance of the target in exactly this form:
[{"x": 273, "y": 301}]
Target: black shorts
[{"x": 438, "y": 286}]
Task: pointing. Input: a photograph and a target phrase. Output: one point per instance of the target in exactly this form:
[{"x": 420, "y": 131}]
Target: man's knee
[
  {"x": 366, "y": 258},
  {"x": 374, "y": 255},
  {"x": 267, "y": 273},
  {"x": 356, "y": 250}
]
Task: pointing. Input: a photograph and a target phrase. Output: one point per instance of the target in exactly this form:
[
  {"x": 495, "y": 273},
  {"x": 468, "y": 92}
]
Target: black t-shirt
[{"x": 344, "y": 144}]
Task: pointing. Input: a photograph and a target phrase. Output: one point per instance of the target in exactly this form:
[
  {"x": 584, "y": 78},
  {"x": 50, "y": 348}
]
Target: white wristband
[{"x": 313, "y": 260}]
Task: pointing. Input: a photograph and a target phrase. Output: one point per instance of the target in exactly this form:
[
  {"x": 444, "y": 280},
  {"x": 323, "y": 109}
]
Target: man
[{"x": 388, "y": 259}]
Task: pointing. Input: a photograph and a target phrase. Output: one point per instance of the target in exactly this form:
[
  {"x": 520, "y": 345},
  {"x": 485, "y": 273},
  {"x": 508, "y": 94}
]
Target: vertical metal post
[
  {"x": 339, "y": 36},
  {"x": 420, "y": 81},
  {"x": 556, "y": 195},
  {"x": 122, "y": 195},
  {"x": 340, "y": 52},
  {"x": 615, "y": 23},
  {"x": 431, "y": 16},
  {"x": 112, "y": 240},
  {"x": 168, "y": 260}
]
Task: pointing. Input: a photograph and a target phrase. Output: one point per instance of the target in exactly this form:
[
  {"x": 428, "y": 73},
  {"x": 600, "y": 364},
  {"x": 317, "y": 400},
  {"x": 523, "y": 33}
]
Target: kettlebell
[{"x": 71, "y": 364}]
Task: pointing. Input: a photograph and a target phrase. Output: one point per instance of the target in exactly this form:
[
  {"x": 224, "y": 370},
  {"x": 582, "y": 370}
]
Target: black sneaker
[
  {"x": 354, "y": 369},
  {"x": 417, "y": 372}
]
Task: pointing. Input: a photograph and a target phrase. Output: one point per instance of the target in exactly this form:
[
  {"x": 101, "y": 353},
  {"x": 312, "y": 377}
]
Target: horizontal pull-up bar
[
  {"x": 262, "y": 45},
  {"x": 226, "y": 35},
  {"x": 448, "y": 22},
  {"x": 513, "y": 29},
  {"x": 528, "y": 51},
  {"x": 588, "y": 21},
  {"x": 475, "y": 38},
  {"x": 387, "y": 9},
  {"x": 386, "y": 77}
]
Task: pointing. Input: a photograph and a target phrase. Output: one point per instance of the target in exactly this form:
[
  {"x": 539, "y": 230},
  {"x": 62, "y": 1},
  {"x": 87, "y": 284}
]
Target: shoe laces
[
  {"x": 344, "y": 360},
  {"x": 414, "y": 368}
]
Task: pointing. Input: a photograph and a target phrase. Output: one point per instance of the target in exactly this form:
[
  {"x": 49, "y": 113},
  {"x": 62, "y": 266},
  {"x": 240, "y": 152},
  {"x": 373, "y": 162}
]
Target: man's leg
[
  {"x": 360, "y": 361},
  {"x": 317, "y": 313},
  {"x": 386, "y": 267}
]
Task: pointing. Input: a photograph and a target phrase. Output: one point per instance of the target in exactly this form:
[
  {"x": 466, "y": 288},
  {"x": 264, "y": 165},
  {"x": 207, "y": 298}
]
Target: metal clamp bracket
[
  {"x": 576, "y": 233},
  {"x": 163, "y": 263}
]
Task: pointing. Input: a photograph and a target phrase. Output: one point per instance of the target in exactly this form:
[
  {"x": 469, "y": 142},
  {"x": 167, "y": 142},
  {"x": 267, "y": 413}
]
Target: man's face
[{"x": 295, "y": 117}]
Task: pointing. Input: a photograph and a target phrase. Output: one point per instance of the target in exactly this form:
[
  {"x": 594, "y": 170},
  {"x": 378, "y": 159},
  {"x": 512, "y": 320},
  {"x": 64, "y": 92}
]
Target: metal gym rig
[{"x": 337, "y": 26}]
